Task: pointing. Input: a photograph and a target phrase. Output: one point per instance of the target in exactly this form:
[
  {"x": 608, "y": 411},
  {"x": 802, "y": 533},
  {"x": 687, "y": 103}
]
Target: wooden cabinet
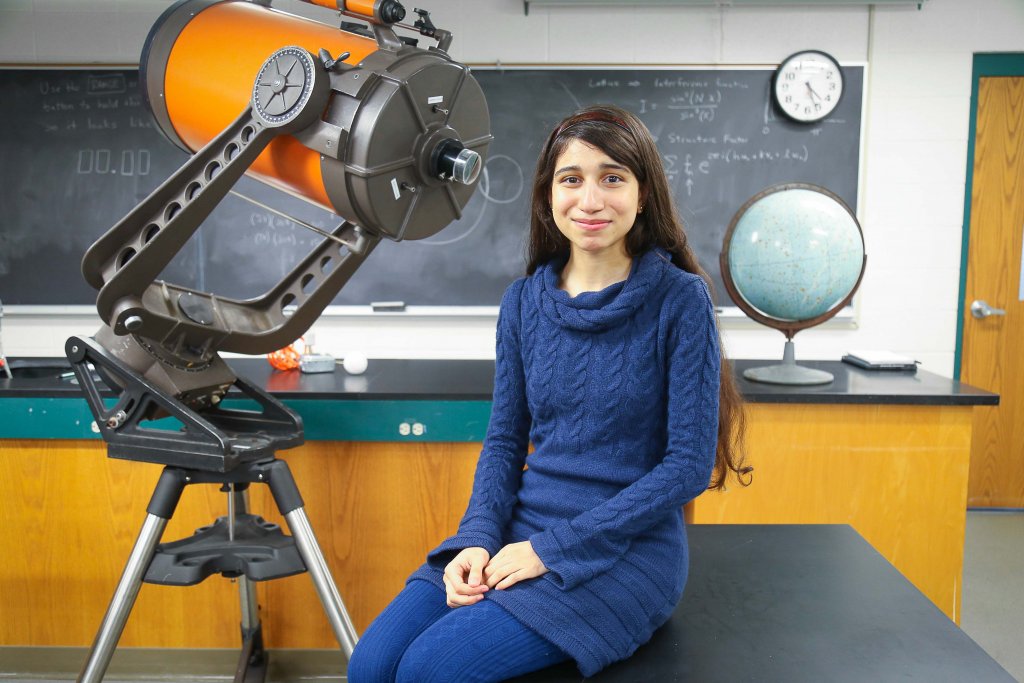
[
  {"x": 69, "y": 516},
  {"x": 896, "y": 473}
]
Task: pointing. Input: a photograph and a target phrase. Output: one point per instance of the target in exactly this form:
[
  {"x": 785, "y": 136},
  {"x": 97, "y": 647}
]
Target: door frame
[{"x": 985, "y": 64}]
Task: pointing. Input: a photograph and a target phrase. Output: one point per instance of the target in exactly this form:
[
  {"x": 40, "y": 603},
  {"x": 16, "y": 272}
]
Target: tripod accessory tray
[{"x": 259, "y": 551}]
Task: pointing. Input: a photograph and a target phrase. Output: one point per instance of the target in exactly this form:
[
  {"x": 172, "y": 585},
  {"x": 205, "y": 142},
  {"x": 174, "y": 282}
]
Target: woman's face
[{"x": 594, "y": 199}]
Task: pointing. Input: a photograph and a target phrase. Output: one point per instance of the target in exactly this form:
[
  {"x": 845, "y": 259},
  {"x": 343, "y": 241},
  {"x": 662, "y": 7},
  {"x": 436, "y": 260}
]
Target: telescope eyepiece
[{"x": 458, "y": 163}]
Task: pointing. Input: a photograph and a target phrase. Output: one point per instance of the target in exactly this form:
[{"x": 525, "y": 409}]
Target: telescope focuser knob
[{"x": 331, "y": 62}]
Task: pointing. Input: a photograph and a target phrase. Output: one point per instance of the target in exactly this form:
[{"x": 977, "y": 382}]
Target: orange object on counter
[{"x": 286, "y": 358}]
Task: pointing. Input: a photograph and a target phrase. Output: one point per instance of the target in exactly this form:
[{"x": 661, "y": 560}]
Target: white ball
[{"x": 355, "y": 363}]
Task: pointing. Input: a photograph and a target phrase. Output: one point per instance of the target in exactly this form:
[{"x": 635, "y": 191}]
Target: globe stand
[
  {"x": 797, "y": 247},
  {"x": 788, "y": 372}
]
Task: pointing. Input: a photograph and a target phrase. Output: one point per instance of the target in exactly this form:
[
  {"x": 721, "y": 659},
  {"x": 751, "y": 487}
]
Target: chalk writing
[
  {"x": 694, "y": 98},
  {"x": 725, "y": 83},
  {"x": 58, "y": 87},
  {"x": 106, "y": 84},
  {"x": 674, "y": 138},
  {"x": 51, "y": 107},
  {"x": 277, "y": 231},
  {"x": 731, "y": 155},
  {"x": 78, "y": 147},
  {"x": 128, "y": 162},
  {"x": 679, "y": 82},
  {"x": 100, "y": 123},
  {"x": 703, "y": 114}
]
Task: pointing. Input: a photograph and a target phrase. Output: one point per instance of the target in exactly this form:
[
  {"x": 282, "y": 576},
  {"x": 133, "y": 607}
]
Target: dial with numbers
[{"x": 808, "y": 85}]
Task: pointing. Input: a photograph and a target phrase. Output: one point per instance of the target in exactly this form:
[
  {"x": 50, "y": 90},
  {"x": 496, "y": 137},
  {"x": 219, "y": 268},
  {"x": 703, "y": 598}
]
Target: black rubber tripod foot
[{"x": 253, "y": 660}]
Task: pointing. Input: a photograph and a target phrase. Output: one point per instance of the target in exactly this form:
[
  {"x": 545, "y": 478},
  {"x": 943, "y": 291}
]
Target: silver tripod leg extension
[
  {"x": 253, "y": 659},
  {"x": 311, "y": 554},
  {"x": 246, "y": 589},
  {"x": 123, "y": 601}
]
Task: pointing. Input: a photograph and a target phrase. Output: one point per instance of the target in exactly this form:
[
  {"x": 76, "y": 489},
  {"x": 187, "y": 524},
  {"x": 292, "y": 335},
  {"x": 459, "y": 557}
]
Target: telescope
[
  {"x": 388, "y": 136},
  {"x": 351, "y": 117}
]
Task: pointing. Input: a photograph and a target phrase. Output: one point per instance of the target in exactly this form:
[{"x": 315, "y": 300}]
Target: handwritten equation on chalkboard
[{"x": 95, "y": 106}]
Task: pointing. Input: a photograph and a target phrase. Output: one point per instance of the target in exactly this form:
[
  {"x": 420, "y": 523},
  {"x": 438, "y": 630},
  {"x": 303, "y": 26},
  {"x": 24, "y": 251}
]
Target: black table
[{"x": 796, "y": 603}]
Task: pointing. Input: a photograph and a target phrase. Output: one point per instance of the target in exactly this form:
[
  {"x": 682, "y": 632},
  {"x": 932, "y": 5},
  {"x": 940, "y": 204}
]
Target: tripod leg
[
  {"x": 161, "y": 507},
  {"x": 123, "y": 601},
  {"x": 252, "y": 662},
  {"x": 289, "y": 502},
  {"x": 344, "y": 631}
]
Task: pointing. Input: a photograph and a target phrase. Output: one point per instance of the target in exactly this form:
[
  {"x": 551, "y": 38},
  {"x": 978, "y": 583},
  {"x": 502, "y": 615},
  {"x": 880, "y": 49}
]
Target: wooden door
[{"x": 993, "y": 346}]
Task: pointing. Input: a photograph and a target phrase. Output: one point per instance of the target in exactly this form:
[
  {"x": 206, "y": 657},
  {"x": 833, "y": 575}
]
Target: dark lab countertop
[
  {"x": 856, "y": 385},
  {"x": 384, "y": 380},
  {"x": 431, "y": 400},
  {"x": 473, "y": 380}
]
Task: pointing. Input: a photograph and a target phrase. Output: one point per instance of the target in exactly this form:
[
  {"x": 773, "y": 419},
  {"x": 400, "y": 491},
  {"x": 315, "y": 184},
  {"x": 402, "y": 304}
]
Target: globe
[{"x": 792, "y": 258}]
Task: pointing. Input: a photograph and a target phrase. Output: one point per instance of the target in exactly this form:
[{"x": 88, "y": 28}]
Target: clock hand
[{"x": 811, "y": 90}]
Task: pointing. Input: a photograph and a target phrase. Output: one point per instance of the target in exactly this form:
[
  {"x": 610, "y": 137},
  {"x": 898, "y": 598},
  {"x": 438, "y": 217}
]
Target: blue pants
[{"x": 419, "y": 639}]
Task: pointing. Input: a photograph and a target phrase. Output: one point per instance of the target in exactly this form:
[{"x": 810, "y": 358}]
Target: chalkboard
[{"x": 80, "y": 149}]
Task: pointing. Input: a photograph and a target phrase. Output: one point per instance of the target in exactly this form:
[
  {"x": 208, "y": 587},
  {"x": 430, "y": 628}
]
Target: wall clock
[{"x": 807, "y": 86}]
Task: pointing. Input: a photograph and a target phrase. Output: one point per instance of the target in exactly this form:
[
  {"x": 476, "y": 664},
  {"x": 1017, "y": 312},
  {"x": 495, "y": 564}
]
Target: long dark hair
[{"x": 624, "y": 138}]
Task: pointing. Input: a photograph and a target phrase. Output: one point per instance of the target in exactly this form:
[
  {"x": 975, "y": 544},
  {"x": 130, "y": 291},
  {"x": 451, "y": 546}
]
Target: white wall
[{"x": 912, "y": 191}]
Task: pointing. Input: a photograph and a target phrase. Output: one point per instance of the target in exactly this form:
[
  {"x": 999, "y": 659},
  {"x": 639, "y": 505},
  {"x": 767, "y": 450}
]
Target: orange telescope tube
[
  {"x": 199, "y": 78},
  {"x": 396, "y": 148}
]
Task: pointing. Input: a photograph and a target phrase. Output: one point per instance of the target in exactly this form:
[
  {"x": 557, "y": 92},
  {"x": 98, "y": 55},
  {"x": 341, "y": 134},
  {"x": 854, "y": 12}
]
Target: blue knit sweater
[{"x": 618, "y": 392}]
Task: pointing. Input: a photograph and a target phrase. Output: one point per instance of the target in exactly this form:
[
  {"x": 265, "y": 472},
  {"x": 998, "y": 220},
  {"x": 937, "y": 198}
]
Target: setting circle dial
[{"x": 283, "y": 85}]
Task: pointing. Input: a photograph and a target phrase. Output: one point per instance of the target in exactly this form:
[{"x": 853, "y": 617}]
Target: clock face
[{"x": 807, "y": 86}]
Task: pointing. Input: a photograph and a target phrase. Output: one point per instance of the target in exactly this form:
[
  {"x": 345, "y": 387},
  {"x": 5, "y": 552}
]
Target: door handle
[{"x": 981, "y": 309}]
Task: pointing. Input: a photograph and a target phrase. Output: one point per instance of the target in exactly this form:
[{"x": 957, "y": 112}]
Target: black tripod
[{"x": 233, "y": 448}]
